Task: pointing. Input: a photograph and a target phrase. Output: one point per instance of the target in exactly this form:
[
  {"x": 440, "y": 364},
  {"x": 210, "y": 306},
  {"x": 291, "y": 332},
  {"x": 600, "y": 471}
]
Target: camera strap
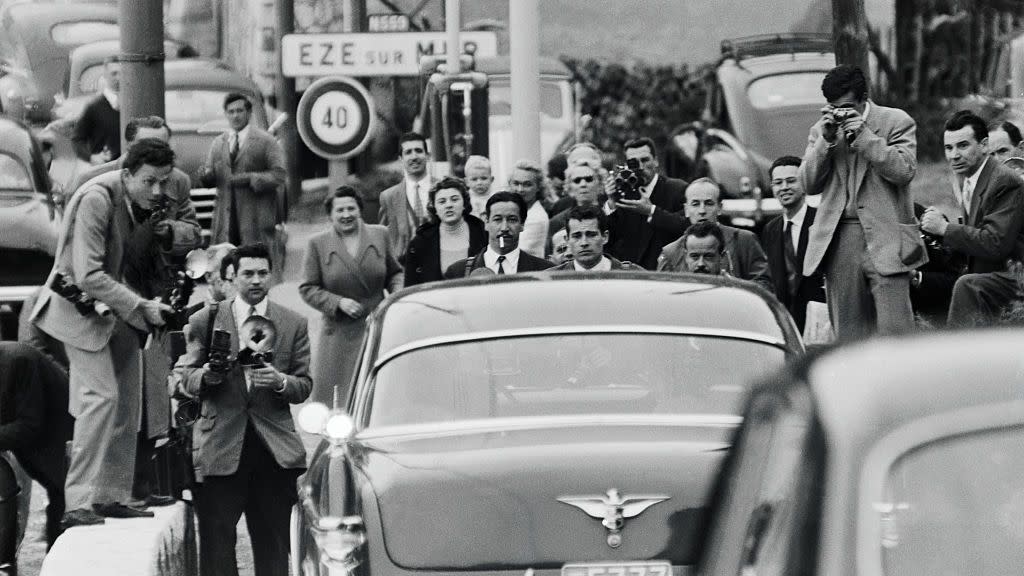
[
  {"x": 214, "y": 307},
  {"x": 72, "y": 217}
]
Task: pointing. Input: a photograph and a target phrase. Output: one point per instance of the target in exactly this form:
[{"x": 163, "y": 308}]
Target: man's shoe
[
  {"x": 118, "y": 510},
  {"x": 152, "y": 500},
  {"x": 80, "y": 517}
]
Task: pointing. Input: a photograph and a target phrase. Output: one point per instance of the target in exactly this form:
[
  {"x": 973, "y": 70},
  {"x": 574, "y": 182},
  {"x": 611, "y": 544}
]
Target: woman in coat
[
  {"x": 346, "y": 272},
  {"x": 452, "y": 234}
]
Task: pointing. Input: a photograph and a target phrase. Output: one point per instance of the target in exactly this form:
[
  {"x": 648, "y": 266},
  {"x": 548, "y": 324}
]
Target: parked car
[
  {"x": 762, "y": 99},
  {"x": 86, "y": 64},
  {"x": 894, "y": 457},
  {"x": 194, "y": 109},
  {"x": 29, "y": 221},
  {"x": 547, "y": 420}
]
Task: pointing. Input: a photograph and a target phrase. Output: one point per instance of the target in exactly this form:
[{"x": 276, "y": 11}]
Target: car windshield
[
  {"x": 13, "y": 175},
  {"x": 83, "y": 32},
  {"x": 796, "y": 89},
  {"x": 192, "y": 109},
  {"x": 89, "y": 81},
  {"x": 500, "y": 98},
  {"x": 568, "y": 374}
]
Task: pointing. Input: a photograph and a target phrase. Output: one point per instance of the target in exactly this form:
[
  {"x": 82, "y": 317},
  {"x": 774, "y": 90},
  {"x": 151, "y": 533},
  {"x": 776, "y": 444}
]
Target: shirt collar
[
  {"x": 867, "y": 110},
  {"x": 973, "y": 178},
  {"x": 798, "y": 218},
  {"x": 409, "y": 181},
  {"x": 510, "y": 264},
  {"x": 650, "y": 186},
  {"x": 241, "y": 309},
  {"x": 603, "y": 266},
  {"x": 112, "y": 98}
]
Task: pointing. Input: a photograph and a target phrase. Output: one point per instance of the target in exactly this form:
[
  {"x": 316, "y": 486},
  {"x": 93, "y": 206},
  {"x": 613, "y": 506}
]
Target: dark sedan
[
  {"x": 549, "y": 421},
  {"x": 891, "y": 458}
]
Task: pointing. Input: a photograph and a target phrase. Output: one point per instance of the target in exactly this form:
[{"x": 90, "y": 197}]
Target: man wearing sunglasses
[
  {"x": 640, "y": 228},
  {"x": 584, "y": 187}
]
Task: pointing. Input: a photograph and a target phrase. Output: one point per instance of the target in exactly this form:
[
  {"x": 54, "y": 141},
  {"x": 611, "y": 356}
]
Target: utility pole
[
  {"x": 142, "y": 60},
  {"x": 286, "y": 104},
  {"x": 353, "y": 14},
  {"x": 850, "y": 33},
  {"x": 524, "y": 48}
]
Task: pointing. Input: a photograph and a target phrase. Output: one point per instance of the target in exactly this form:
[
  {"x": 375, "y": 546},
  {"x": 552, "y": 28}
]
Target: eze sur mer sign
[{"x": 380, "y": 54}]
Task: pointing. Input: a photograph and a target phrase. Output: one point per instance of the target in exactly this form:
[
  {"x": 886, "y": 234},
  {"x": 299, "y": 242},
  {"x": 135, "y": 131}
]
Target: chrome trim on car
[
  {"x": 15, "y": 294},
  {"x": 582, "y": 329}
]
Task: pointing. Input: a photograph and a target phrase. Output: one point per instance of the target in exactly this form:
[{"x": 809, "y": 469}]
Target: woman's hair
[
  {"x": 343, "y": 192},
  {"x": 449, "y": 182}
]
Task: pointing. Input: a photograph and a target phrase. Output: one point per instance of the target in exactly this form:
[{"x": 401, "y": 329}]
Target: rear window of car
[
  {"x": 193, "y": 109},
  {"x": 89, "y": 81},
  {"x": 13, "y": 175},
  {"x": 83, "y": 32},
  {"x": 794, "y": 89}
]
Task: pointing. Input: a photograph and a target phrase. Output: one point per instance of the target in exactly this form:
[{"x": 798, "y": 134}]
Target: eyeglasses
[{"x": 582, "y": 179}]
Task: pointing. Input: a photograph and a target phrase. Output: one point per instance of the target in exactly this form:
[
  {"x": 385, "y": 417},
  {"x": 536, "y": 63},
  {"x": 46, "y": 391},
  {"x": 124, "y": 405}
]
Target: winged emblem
[{"x": 613, "y": 509}]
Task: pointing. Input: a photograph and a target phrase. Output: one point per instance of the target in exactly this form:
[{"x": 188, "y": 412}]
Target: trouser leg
[
  {"x": 46, "y": 464},
  {"x": 24, "y": 494},
  {"x": 979, "y": 299},
  {"x": 8, "y": 519},
  {"x": 850, "y": 303},
  {"x": 891, "y": 296},
  {"x": 267, "y": 511}
]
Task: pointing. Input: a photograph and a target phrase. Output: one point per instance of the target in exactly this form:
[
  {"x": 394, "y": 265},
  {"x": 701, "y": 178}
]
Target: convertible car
[
  {"x": 557, "y": 422},
  {"x": 891, "y": 458}
]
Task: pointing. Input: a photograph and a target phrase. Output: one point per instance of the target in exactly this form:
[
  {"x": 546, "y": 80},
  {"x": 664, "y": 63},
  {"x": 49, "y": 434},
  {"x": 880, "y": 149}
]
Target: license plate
[{"x": 617, "y": 569}]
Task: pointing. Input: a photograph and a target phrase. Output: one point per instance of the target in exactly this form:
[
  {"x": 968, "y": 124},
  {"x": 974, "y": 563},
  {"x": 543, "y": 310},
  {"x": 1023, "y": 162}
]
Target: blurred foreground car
[
  {"x": 895, "y": 458},
  {"x": 762, "y": 100},
  {"x": 29, "y": 221},
  {"x": 558, "y": 422}
]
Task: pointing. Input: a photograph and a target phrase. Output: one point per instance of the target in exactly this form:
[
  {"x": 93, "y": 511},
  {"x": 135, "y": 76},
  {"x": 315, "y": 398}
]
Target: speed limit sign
[{"x": 336, "y": 117}]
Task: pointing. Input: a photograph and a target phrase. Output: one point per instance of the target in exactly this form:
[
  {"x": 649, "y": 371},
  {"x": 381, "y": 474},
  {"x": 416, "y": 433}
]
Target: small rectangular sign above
[
  {"x": 374, "y": 54},
  {"x": 387, "y": 23}
]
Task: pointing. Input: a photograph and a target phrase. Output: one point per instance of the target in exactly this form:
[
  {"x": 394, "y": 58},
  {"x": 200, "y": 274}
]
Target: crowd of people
[{"x": 94, "y": 344}]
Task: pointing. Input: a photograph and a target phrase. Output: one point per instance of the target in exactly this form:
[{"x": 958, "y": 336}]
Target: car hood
[{"x": 490, "y": 499}]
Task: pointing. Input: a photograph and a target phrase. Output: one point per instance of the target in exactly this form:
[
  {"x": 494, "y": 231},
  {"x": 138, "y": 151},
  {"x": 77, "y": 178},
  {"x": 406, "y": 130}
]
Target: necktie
[
  {"x": 793, "y": 271},
  {"x": 233, "y": 149},
  {"x": 501, "y": 269},
  {"x": 418, "y": 203},
  {"x": 968, "y": 192},
  {"x": 252, "y": 310}
]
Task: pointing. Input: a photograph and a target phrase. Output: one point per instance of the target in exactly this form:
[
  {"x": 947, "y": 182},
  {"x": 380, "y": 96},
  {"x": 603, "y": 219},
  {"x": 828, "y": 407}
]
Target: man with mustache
[
  {"x": 403, "y": 207},
  {"x": 704, "y": 249},
  {"x": 506, "y": 213}
]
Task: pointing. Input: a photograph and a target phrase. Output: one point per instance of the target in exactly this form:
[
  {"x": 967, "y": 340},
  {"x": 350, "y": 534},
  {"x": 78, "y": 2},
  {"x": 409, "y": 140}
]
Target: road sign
[
  {"x": 336, "y": 117},
  {"x": 384, "y": 54},
  {"x": 387, "y": 23}
]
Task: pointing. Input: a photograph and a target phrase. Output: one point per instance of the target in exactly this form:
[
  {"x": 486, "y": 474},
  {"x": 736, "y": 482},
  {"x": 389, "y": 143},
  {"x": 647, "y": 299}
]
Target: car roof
[
  {"x": 498, "y": 65},
  {"x": 35, "y": 19},
  {"x": 206, "y": 72},
  {"x": 14, "y": 136},
  {"x": 557, "y": 299}
]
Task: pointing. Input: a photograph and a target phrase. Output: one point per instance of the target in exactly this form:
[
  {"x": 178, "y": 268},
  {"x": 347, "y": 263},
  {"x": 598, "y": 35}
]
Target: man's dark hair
[
  {"x": 784, "y": 161},
  {"x": 640, "y": 143},
  {"x": 254, "y": 250},
  {"x": 1011, "y": 130},
  {"x": 842, "y": 79},
  {"x": 411, "y": 137},
  {"x": 703, "y": 230},
  {"x": 505, "y": 196},
  {"x": 236, "y": 96},
  {"x": 967, "y": 118},
  {"x": 581, "y": 213},
  {"x": 131, "y": 129},
  {"x": 557, "y": 165},
  {"x": 149, "y": 151},
  {"x": 343, "y": 191},
  {"x": 446, "y": 183}
]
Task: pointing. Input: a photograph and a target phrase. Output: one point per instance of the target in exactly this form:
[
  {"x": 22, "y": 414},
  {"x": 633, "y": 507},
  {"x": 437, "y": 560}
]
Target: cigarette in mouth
[{"x": 501, "y": 242}]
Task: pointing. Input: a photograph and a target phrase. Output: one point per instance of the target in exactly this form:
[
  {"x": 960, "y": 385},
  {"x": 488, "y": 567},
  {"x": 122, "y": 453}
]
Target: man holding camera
[
  {"x": 246, "y": 451},
  {"x": 99, "y": 329},
  {"x": 861, "y": 158},
  {"x": 644, "y": 220}
]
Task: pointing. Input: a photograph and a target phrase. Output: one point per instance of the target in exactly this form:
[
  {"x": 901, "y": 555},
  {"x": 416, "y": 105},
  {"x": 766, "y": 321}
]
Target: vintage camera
[
  {"x": 627, "y": 180},
  {"x": 85, "y": 304},
  {"x": 219, "y": 353},
  {"x": 256, "y": 338},
  {"x": 842, "y": 114},
  {"x": 179, "y": 293}
]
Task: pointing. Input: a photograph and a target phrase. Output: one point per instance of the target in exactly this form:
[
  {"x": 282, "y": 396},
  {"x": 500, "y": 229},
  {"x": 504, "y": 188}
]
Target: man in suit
[
  {"x": 506, "y": 212},
  {"x": 861, "y": 158},
  {"x": 246, "y": 165},
  {"x": 992, "y": 199},
  {"x": 1004, "y": 141},
  {"x": 103, "y": 348},
  {"x": 743, "y": 256},
  {"x": 785, "y": 241},
  {"x": 704, "y": 249},
  {"x": 931, "y": 284},
  {"x": 247, "y": 454},
  {"x": 641, "y": 228},
  {"x": 587, "y": 229},
  {"x": 97, "y": 137},
  {"x": 584, "y": 187},
  {"x": 403, "y": 207}
]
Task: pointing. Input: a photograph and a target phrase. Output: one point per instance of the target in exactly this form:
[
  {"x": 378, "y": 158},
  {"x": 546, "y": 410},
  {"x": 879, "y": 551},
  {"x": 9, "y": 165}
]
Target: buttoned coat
[
  {"x": 744, "y": 258},
  {"x": 993, "y": 229},
  {"x": 423, "y": 258},
  {"x": 330, "y": 273},
  {"x": 228, "y": 407},
  {"x": 808, "y": 287},
  {"x": 246, "y": 213},
  {"x": 396, "y": 214},
  {"x": 886, "y": 151}
]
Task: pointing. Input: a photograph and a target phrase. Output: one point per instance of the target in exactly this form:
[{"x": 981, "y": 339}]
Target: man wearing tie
[
  {"x": 506, "y": 213},
  {"x": 992, "y": 200},
  {"x": 246, "y": 165},
  {"x": 403, "y": 207},
  {"x": 785, "y": 241}
]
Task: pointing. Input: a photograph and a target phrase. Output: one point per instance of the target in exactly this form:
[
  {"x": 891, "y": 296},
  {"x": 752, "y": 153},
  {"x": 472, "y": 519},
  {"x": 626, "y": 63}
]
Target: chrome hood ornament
[{"x": 613, "y": 509}]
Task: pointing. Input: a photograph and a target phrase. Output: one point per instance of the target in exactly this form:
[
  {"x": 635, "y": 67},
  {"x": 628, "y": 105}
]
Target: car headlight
[{"x": 341, "y": 541}]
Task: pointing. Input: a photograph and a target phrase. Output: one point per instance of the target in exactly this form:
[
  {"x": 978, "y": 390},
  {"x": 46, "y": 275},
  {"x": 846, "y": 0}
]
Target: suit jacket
[
  {"x": 90, "y": 253},
  {"x": 992, "y": 231},
  {"x": 886, "y": 161},
  {"x": 527, "y": 263},
  {"x": 632, "y": 238},
  {"x": 616, "y": 265},
  {"x": 246, "y": 213},
  {"x": 227, "y": 408},
  {"x": 744, "y": 258},
  {"x": 808, "y": 287},
  {"x": 97, "y": 128},
  {"x": 33, "y": 399},
  {"x": 423, "y": 258},
  {"x": 397, "y": 215}
]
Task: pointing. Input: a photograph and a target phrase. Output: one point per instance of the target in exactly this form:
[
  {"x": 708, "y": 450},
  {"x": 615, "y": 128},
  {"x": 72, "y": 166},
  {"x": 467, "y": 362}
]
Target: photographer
[
  {"x": 101, "y": 343},
  {"x": 246, "y": 451},
  {"x": 643, "y": 220}
]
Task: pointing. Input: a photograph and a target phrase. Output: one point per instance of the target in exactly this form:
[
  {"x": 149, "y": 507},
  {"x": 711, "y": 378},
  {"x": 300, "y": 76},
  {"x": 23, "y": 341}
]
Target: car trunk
[{"x": 490, "y": 500}]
